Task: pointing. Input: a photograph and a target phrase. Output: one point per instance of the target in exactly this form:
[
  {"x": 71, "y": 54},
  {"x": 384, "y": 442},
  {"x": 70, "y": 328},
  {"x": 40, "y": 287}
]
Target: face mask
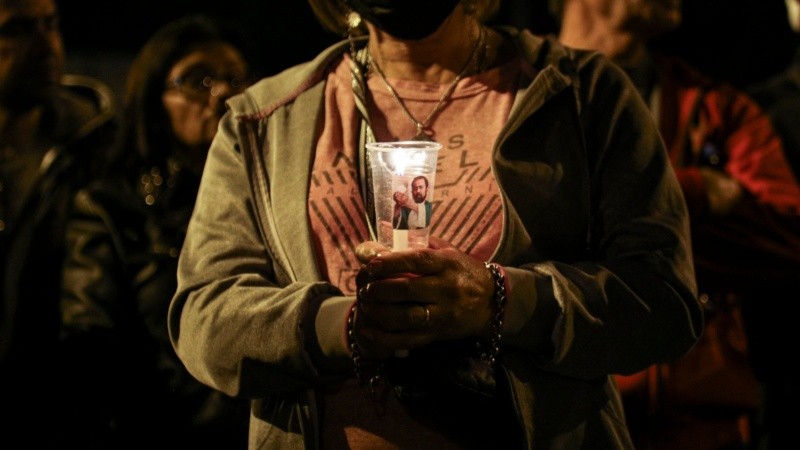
[{"x": 405, "y": 19}]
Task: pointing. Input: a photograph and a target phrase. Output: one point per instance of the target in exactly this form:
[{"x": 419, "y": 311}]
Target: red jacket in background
[{"x": 710, "y": 123}]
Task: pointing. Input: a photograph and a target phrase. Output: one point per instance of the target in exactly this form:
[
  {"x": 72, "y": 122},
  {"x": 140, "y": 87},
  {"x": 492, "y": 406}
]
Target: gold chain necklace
[{"x": 422, "y": 126}]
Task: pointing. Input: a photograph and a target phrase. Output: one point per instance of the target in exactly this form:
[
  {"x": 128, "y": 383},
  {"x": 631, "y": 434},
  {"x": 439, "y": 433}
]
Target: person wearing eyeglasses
[
  {"x": 126, "y": 232},
  {"x": 54, "y": 131}
]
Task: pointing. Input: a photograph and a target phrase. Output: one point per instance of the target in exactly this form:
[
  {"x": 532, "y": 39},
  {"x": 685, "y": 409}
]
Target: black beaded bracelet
[
  {"x": 490, "y": 354},
  {"x": 360, "y": 366}
]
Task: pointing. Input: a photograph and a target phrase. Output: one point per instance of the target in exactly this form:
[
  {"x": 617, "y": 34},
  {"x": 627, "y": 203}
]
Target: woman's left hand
[{"x": 417, "y": 296}]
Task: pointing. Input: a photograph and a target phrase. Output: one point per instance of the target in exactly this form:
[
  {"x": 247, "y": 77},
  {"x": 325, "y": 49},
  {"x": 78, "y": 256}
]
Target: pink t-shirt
[{"x": 467, "y": 209}]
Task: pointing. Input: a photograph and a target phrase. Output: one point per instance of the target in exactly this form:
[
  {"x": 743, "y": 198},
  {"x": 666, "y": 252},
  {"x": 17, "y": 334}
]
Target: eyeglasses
[{"x": 202, "y": 85}]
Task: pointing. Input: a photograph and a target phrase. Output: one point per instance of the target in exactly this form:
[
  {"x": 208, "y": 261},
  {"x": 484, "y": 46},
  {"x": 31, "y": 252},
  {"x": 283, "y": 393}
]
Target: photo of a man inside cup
[
  {"x": 403, "y": 181},
  {"x": 412, "y": 212}
]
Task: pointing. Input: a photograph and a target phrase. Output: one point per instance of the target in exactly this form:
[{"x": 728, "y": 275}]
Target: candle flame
[{"x": 401, "y": 160}]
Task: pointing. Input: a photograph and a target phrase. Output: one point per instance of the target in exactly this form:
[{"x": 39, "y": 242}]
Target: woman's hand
[{"x": 409, "y": 298}]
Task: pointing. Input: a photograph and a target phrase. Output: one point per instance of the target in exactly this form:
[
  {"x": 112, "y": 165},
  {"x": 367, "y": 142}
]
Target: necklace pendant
[
  {"x": 423, "y": 132},
  {"x": 422, "y": 136}
]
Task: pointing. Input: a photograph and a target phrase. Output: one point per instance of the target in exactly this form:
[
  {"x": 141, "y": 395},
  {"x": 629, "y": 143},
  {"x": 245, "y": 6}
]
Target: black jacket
[
  {"x": 31, "y": 254},
  {"x": 124, "y": 236}
]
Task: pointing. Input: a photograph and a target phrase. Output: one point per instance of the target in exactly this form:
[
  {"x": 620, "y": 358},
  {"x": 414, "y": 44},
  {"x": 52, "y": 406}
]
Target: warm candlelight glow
[{"x": 402, "y": 159}]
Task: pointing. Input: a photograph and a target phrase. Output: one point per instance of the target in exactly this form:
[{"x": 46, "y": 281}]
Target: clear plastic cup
[{"x": 403, "y": 178}]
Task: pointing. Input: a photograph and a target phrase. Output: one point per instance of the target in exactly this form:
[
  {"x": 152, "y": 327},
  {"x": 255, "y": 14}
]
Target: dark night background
[{"x": 742, "y": 41}]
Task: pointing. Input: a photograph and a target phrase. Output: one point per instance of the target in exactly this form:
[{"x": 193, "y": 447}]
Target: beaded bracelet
[
  {"x": 490, "y": 355},
  {"x": 360, "y": 366}
]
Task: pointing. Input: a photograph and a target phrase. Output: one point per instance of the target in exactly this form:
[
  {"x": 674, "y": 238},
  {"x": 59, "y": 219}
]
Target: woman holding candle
[{"x": 559, "y": 250}]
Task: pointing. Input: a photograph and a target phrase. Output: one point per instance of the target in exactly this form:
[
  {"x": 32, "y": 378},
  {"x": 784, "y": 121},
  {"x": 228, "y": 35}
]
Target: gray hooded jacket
[{"x": 595, "y": 242}]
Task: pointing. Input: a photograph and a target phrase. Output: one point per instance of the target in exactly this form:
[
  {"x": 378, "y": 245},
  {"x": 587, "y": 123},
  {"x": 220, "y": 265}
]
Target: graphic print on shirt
[
  {"x": 466, "y": 207},
  {"x": 337, "y": 205}
]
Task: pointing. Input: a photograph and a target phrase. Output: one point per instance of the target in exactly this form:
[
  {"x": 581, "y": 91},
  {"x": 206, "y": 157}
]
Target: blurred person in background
[
  {"x": 54, "y": 131},
  {"x": 559, "y": 255},
  {"x": 743, "y": 201},
  {"x": 124, "y": 237},
  {"x": 767, "y": 329}
]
